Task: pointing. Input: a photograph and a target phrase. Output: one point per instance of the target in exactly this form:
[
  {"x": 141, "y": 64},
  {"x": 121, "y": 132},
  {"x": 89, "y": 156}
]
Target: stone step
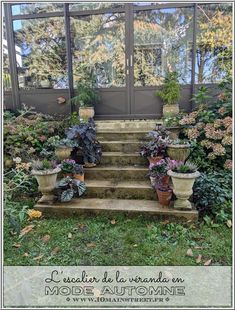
[
  {"x": 111, "y": 206},
  {"x": 120, "y": 158},
  {"x": 127, "y": 146},
  {"x": 106, "y": 135},
  {"x": 116, "y": 173},
  {"x": 124, "y": 125},
  {"x": 120, "y": 189}
]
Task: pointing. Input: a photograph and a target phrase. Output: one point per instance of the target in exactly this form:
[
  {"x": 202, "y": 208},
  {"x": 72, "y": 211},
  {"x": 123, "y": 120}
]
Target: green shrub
[
  {"x": 170, "y": 91},
  {"x": 213, "y": 191}
]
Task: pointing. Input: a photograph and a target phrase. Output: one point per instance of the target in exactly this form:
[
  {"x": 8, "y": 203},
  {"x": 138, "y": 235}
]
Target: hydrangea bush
[{"x": 211, "y": 130}]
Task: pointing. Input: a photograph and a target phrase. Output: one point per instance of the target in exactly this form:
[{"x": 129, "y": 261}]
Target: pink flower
[
  {"x": 193, "y": 133},
  {"x": 228, "y": 164}
]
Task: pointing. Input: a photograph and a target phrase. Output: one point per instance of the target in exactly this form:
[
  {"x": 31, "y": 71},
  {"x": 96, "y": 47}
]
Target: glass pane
[
  {"x": 148, "y": 3},
  {"x": 41, "y": 53},
  {"x": 98, "y": 42},
  {"x": 162, "y": 42},
  {"x": 214, "y": 42},
  {"x": 38, "y": 7},
  {"x": 82, "y": 6},
  {"x": 6, "y": 71}
]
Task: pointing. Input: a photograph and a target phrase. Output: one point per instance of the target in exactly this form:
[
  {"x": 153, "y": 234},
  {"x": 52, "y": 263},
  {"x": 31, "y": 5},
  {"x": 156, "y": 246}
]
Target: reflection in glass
[
  {"x": 98, "y": 42},
  {"x": 82, "y": 6},
  {"x": 41, "y": 53},
  {"x": 38, "y": 7},
  {"x": 6, "y": 71},
  {"x": 162, "y": 42},
  {"x": 214, "y": 43}
]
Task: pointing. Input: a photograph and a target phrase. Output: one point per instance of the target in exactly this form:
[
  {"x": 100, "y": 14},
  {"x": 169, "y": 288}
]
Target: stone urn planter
[
  {"x": 63, "y": 152},
  {"x": 170, "y": 109},
  {"x": 178, "y": 151},
  {"x": 8, "y": 162},
  {"x": 173, "y": 132},
  {"x": 45, "y": 84},
  {"x": 183, "y": 188},
  {"x": 47, "y": 182},
  {"x": 86, "y": 112}
]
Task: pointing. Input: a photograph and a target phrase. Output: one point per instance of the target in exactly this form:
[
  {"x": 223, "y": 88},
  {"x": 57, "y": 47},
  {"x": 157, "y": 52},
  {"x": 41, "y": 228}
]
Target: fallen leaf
[
  {"x": 82, "y": 227},
  {"x": 16, "y": 245},
  {"x": 199, "y": 258},
  {"x": 91, "y": 245},
  {"x": 189, "y": 252},
  {"x": 26, "y": 230},
  {"x": 26, "y": 254},
  {"x": 38, "y": 257},
  {"x": 70, "y": 235},
  {"x": 208, "y": 262},
  {"x": 55, "y": 250},
  {"x": 229, "y": 223},
  {"x": 113, "y": 222},
  {"x": 46, "y": 238}
]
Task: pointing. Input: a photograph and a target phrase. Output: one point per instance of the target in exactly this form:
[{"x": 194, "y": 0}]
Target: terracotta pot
[
  {"x": 183, "y": 188},
  {"x": 178, "y": 151},
  {"x": 87, "y": 112},
  {"x": 171, "y": 108},
  {"x": 63, "y": 152},
  {"x": 79, "y": 177},
  {"x": 165, "y": 180},
  {"x": 47, "y": 183},
  {"x": 154, "y": 160},
  {"x": 164, "y": 197}
]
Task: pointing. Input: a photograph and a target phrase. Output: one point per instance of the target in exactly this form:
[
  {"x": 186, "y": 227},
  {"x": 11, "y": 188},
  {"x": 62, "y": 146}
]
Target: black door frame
[{"x": 129, "y": 10}]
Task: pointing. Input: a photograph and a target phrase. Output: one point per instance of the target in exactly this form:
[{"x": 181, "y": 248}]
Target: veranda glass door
[
  {"x": 162, "y": 41},
  {"x": 99, "y": 42}
]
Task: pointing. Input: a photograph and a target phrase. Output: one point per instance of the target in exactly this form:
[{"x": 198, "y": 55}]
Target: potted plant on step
[
  {"x": 155, "y": 148},
  {"x": 67, "y": 167},
  {"x": 170, "y": 93},
  {"x": 87, "y": 95},
  {"x": 164, "y": 193},
  {"x": 89, "y": 146},
  {"x": 68, "y": 188},
  {"x": 183, "y": 175},
  {"x": 178, "y": 149},
  {"x": 63, "y": 147},
  {"x": 158, "y": 171},
  {"x": 78, "y": 172},
  {"x": 46, "y": 173},
  {"x": 171, "y": 122}
]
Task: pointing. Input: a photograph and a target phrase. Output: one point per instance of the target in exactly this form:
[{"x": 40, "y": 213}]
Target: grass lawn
[{"x": 99, "y": 240}]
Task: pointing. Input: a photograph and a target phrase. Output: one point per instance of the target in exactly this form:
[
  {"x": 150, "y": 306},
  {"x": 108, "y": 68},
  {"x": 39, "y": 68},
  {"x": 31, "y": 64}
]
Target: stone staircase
[
  {"x": 122, "y": 173},
  {"x": 120, "y": 182}
]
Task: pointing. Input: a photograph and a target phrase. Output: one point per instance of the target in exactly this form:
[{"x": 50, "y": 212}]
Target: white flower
[{"x": 17, "y": 160}]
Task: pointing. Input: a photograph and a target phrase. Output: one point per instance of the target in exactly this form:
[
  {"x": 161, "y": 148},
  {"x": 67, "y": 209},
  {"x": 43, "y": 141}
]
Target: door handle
[{"x": 131, "y": 60}]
